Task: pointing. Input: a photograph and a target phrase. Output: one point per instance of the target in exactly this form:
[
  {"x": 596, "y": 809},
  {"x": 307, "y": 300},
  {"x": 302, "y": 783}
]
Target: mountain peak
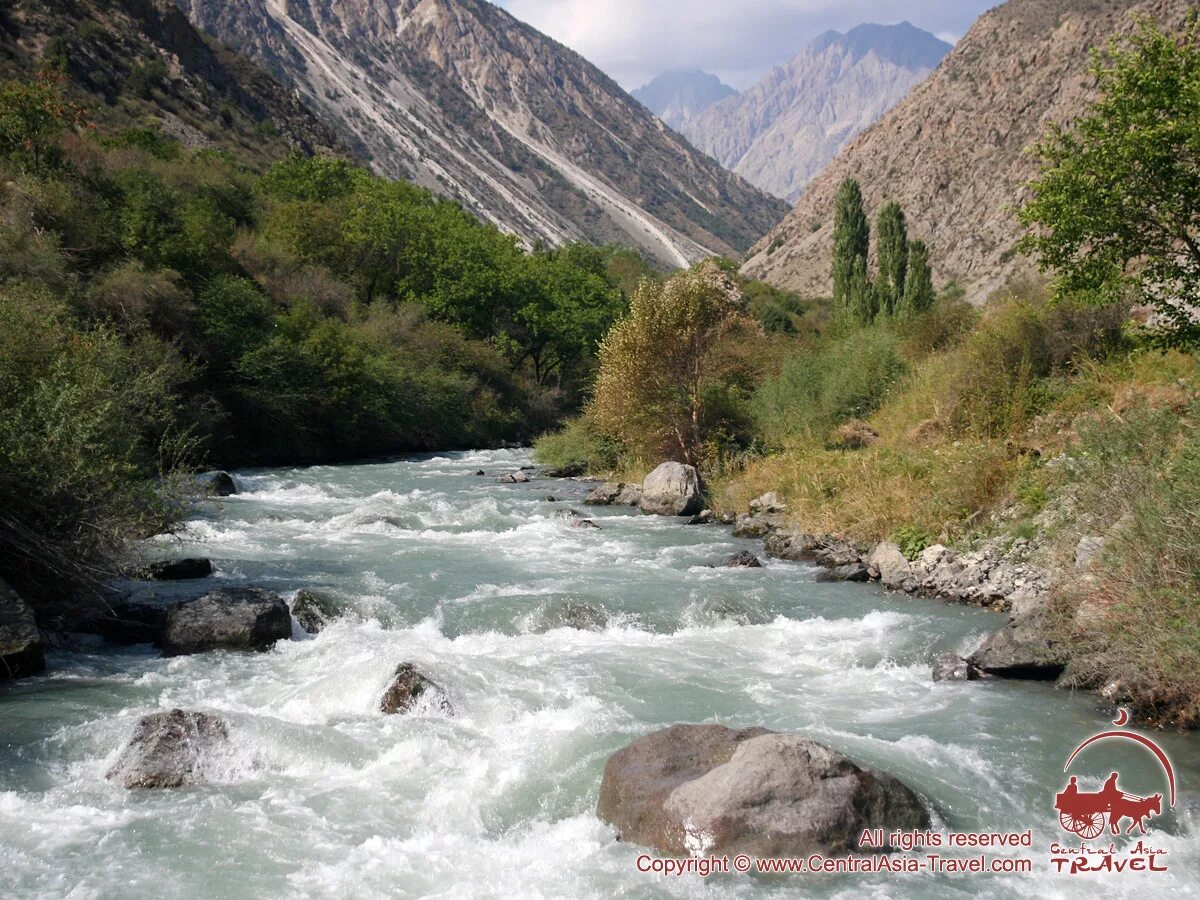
[
  {"x": 902, "y": 44},
  {"x": 682, "y": 94}
]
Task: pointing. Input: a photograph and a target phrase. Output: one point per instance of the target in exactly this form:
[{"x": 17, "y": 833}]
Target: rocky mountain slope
[
  {"x": 134, "y": 63},
  {"x": 461, "y": 97},
  {"x": 678, "y": 97},
  {"x": 782, "y": 131},
  {"x": 952, "y": 153}
]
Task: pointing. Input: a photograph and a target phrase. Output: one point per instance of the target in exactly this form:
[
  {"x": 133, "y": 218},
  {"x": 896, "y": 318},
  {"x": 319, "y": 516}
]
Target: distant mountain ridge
[
  {"x": 678, "y": 97},
  {"x": 461, "y": 97},
  {"x": 779, "y": 133},
  {"x": 952, "y": 153}
]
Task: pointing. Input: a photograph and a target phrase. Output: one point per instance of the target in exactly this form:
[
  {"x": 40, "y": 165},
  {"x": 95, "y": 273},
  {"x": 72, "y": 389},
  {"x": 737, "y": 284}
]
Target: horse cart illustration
[{"x": 1085, "y": 813}]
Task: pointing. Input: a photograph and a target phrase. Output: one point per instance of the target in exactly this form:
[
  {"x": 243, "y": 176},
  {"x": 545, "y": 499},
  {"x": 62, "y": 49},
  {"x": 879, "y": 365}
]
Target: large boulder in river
[
  {"x": 887, "y": 563},
  {"x": 673, "y": 489},
  {"x": 604, "y": 494},
  {"x": 20, "y": 641},
  {"x": 130, "y": 621},
  {"x": 410, "y": 688},
  {"x": 170, "y": 749},
  {"x": 707, "y": 789},
  {"x": 229, "y": 619},
  {"x": 1022, "y": 649}
]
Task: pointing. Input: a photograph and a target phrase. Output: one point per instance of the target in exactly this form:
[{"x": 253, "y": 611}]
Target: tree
[
  {"x": 918, "y": 285},
  {"x": 1117, "y": 202},
  {"x": 32, "y": 116},
  {"x": 851, "y": 241},
  {"x": 862, "y": 301},
  {"x": 891, "y": 242},
  {"x": 661, "y": 363}
]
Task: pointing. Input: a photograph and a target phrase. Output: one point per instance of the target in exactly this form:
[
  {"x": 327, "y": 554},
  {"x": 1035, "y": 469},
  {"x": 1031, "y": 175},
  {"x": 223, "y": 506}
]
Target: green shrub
[
  {"x": 822, "y": 385},
  {"x": 912, "y": 539},
  {"x": 578, "y": 446}
]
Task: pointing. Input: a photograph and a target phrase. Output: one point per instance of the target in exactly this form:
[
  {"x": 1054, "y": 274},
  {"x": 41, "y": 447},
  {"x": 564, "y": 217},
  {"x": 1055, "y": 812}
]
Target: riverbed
[{"x": 478, "y": 583}]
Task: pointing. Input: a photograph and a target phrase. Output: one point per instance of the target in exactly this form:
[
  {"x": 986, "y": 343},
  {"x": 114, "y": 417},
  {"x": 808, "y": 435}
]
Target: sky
[{"x": 738, "y": 40}]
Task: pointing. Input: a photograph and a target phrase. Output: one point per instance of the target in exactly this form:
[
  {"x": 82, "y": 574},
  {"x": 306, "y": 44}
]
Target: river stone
[
  {"x": 222, "y": 485},
  {"x": 178, "y": 569},
  {"x": 228, "y": 619},
  {"x": 604, "y": 494},
  {"x": 134, "y": 621},
  {"x": 1021, "y": 649},
  {"x": 673, "y": 489},
  {"x": 855, "y": 571},
  {"x": 169, "y": 749},
  {"x": 408, "y": 687},
  {"x": 631, "y": 495},
  {"x": 888, "y": 564},
  {"x": 313, "y": 610},
  {"x": 707, "y": 789},
  {"x": 568, "y": 614},
  {"x": 513, "y": 478},
  {"x": 952, "y": 667},
  {"x": 744, "y": 559},
  {"x": 769, "y": 502},
  {"x": 21, "y": 648}
]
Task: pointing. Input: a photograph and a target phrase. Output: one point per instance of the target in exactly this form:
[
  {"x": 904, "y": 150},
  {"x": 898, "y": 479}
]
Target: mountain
[
  {"x": 678, "y": 97},
  {"x": 782, "y": 131},
  {"x": 952, "y": 153},
  {"x": 137, "y": 62},
  {"x": 459, "y": 96}
]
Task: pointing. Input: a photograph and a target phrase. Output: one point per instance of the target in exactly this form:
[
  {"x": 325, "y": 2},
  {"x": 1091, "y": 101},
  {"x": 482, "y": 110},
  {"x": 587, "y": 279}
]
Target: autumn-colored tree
[{"x": 682, "y": 342}]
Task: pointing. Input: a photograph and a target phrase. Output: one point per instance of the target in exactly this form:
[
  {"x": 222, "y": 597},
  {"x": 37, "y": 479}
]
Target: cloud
[{"x": 634, "y": 40}]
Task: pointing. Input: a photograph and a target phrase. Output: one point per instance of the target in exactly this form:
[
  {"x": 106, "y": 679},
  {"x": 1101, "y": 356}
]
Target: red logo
[{"x": 1089, "y": 814}]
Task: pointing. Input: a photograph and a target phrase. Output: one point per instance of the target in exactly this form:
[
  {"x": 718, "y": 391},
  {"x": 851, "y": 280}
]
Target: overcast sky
[{"x": 739, "y": 40}]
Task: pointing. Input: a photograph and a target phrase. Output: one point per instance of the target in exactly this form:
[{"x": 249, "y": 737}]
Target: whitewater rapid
[{"x": 322, "y": 796}]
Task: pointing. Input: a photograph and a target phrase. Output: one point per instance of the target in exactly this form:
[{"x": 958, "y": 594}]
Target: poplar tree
[
  {"x": 918, "y": 285},
  {"x": 891, "y": 242},
  {"x": 851, "y": 241}
]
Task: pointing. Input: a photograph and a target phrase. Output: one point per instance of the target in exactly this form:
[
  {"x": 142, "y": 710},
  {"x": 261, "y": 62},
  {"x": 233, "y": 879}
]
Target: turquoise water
[{"x": 321, "y": 796}]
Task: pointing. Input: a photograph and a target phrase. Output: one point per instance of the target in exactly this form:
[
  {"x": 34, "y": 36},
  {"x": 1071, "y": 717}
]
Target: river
[{"x": 471, "y": 580}]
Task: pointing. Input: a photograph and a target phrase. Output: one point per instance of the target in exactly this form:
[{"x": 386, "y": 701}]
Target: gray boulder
[
  {"x": 673, "y": 489},
  {"x": 21, "y": 648},
  {"x": 952, "y": 667},
  {"x": 769, "y": 502},
  {"x": 170, "y": 749},
  {"x": 744, "y": 560},
  {"x": 513, "y": 478},
  {"x": 604, "y": 494},
  {"x": 706, "y": 789},
  {"x": 228, "y": 619},
  {"x": 313, "y": 610},
  {"x": 221, "y": 484},
  {"x": 408, "y": 688},
  {"x": 630, "y": 495},
  {"x": 568, "y": 614},
  {"x": 888, "y": 564},
  {"x": 855, "y": 571},
  {"x": 1021, "y": 649},
  {"x": 1087, "y": 550}
]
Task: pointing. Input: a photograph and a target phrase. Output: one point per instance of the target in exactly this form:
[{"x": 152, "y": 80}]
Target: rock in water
[
  {"x": 952, "y": 667},
  {"x": 604, "y": 494},
  {"x": 229, "y": 619},
  {"x": 514, "y": 478},
  {"x": 568, "y": 614},
  {"x": 1021, "y": 649},
  {"x": 134, "y": 621},
  {"x": 706, "y": 789},
  {"x": 408, "y": 687},
  {"x": 169, "y": 749},
  {"x": 222, "y": 485},
  {"x": 313, "y": 610},
  {"x": 673, "y": 489},
  {"x": 889, "y": 565},
  {"x": 20, "y": 641},
  {"x": 178, "y": 569},
  {"x": 631, "y": 495},
  {"x": 744, "y": 560}
]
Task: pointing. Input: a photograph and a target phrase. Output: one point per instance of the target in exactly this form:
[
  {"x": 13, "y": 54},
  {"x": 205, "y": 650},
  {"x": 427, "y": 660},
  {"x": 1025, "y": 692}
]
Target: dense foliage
[
  {"x": 165, "y": 307},
  {"x": 1118, "y": 199}
]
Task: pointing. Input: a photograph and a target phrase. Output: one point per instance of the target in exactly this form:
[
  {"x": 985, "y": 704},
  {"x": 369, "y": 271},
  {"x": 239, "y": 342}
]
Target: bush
[
  {"x": 89, "y": 444},
  {"x": 1136, "y": 624},
  {"x": 821, "y": 386},
  {"x": 580, "y": 445}
]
